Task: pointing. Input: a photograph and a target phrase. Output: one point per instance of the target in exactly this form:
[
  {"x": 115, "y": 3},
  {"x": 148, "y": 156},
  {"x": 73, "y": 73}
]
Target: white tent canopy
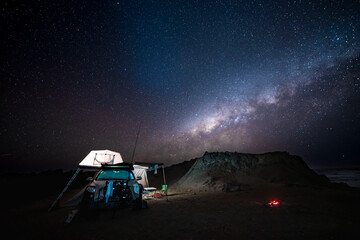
[
  {"x": 141, "y": 171},
  {"x": 97, "y": 157}
]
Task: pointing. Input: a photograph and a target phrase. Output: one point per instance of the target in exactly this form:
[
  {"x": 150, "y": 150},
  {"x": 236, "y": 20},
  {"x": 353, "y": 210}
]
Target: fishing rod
[{"x": 137, "y": 136}]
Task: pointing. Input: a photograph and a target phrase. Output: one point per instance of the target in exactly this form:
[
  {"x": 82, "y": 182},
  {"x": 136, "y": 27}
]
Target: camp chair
[{"x": 163, "y": 189}]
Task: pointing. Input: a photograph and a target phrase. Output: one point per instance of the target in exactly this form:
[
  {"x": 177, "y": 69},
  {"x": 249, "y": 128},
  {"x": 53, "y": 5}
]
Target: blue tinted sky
[{"x": 246, "y": 76}]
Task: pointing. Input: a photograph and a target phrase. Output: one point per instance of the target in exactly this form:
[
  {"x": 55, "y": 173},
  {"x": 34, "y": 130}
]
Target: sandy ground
[{"x": 304, "y": 213}]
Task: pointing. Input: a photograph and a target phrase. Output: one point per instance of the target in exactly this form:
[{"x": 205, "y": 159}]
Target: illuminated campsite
[
  {"x": 273, "y": 193},
  {"x": 180, "y": 119}
]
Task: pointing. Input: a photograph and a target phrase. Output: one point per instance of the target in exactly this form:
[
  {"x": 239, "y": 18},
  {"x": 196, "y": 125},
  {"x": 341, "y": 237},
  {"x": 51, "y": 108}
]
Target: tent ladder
[{"x": 64, "y": 190}]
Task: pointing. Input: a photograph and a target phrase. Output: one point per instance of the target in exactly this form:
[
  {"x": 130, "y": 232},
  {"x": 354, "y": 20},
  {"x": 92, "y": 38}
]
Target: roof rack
[
  {"x": 119, "y": 165},
  {"x": 149, "y": 164}
]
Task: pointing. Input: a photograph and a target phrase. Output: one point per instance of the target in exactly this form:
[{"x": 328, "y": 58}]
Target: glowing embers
[{"x": 273, "y": 203}]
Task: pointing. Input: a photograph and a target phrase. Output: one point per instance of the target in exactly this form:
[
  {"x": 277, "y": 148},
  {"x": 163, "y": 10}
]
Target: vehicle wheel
[
  {"x": 88, "y": 209},
  {"x": 84, "y": 205},
  {"x": 144, "y": 204},
  {"x": 137, "y": 204}
]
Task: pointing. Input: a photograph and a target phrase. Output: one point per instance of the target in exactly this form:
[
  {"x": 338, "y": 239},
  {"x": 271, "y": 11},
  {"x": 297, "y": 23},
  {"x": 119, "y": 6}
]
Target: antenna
[{"x": 137, "y": 136}]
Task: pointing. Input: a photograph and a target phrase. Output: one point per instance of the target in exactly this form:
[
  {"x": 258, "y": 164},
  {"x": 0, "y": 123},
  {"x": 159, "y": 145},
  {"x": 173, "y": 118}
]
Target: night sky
[{"x": 245, "y": 76}]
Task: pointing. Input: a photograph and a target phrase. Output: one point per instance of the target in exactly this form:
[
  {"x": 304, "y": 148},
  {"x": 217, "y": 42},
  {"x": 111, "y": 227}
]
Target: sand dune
[{"x": 229, "y": 171}]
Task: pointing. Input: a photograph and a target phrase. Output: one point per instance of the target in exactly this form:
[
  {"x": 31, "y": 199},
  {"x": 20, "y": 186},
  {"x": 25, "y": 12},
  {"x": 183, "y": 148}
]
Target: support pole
[
  {"x": 64, "y": 190},
  {"x": 164, "y": 175},
  {"x": 163, "y": 171}
]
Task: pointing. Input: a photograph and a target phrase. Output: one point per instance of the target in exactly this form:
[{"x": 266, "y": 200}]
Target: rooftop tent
[{"x": 98, "y": 157}]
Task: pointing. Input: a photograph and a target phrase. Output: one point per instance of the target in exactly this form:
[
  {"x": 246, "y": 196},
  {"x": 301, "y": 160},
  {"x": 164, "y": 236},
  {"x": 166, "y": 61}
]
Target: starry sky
[{"x": 194, "y": 76}]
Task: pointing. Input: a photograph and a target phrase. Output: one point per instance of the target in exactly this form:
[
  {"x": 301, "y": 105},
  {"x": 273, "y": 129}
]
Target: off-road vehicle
[{"x": 113, "y": 186}]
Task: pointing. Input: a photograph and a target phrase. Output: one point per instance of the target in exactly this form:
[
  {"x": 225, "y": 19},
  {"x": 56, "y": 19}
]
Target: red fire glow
[{"x": 274, "y": 203}]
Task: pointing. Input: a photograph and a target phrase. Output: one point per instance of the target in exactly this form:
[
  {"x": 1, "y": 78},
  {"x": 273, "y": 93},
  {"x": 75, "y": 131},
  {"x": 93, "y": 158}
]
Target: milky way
[{"x": 195, "y": 76}]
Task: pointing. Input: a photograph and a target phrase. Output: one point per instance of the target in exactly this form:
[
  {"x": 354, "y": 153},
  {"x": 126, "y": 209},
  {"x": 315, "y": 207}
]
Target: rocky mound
[{"x": 228, "y": 171}]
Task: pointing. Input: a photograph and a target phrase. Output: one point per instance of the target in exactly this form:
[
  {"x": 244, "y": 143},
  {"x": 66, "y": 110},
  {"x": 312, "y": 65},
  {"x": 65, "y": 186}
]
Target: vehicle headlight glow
[{"x": 91, "y": 189}]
